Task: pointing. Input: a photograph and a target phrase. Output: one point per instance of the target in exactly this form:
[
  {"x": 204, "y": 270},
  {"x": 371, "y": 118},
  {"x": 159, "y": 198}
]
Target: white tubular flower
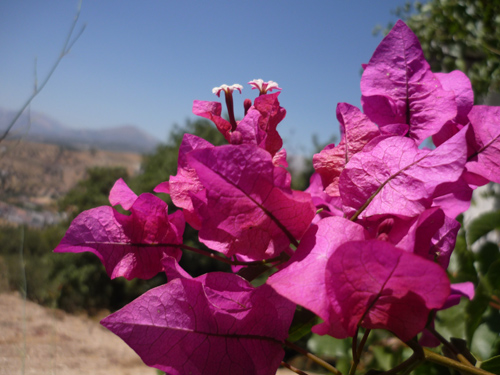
[
  {"x": 227, "y": 89},
  {"x": 228, "y": 93},
  {"x": 264, "y": 87}
]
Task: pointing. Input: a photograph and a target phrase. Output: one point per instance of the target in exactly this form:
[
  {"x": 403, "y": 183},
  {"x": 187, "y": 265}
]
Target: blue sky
[{"x": 144, "y": 62}]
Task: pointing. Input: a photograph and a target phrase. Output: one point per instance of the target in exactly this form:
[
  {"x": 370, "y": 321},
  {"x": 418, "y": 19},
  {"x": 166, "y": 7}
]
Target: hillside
[
  {"x": 46, "y": 341},
  {"x": 40, "y": 341},
  {"x": 34, "y": 175},
  {"x": 40, "y": 127}
]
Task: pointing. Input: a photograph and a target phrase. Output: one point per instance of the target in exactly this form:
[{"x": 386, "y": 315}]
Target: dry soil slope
[{"x": 48, "y": 341}]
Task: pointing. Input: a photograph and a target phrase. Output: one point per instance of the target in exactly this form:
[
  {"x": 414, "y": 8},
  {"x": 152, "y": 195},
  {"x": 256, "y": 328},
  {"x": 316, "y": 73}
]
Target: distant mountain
[{"x": 40, "y": 127}]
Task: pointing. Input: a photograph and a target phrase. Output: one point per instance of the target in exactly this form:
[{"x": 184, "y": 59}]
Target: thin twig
[
  {"x": 65, "y": 50},
  {"x": 281, "y": 257},
  {"x": 362, "y": 343},
  {"x": 354, "y": 351},
  {"x": 448, "y": 362},
  {"x": 314, "y": 358},
  {"x": 439, "y": 359},
  {"x": 411, "y": 363},
  {"x": 24, "y": 292},
  {"x": 408, "y": 364},
  {"x": 292, "y": 368},
  {"x": 357, "y": 349}
]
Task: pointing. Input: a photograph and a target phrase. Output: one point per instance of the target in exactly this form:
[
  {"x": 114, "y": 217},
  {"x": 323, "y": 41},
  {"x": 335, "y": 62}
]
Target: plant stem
[
  {"x": 281, "y": 257},
  {"x": 357, "y": 349},
  {"x": 24, "y": 292},
  {"x": 314, "y": 358},
  {"x": 450, "y": 346},
  {"x": 354, "y": 350},
  {"x": 65, "y": 50},
  {"x": 362, "y": 344},
  {"x": 292, "y": 368},
  {"x": 410, "y": 364},
  {"x": 444, "y": 361}
]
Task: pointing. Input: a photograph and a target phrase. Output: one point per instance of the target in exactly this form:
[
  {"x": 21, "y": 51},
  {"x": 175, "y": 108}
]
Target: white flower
[
  {"x": 264, "y": 87},
  {"x": 227, "y": 89}
]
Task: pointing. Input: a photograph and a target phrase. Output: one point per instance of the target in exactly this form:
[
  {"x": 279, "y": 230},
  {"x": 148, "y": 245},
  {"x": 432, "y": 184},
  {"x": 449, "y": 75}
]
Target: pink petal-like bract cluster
[
  {"x": 366, "y": 245},
  {"x": 213, "y": 324},
  {"x": 247, "y": 210},
  {"x": 373, "y": 284},
  {"x": 129, "y": 246},
  {"x": 398, "y": 86}
]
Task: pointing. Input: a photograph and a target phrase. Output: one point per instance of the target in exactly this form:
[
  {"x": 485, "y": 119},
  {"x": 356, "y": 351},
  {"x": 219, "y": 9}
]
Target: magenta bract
[
  {"x": 459, "y": 83},
  {"x": 485, "y": 157},
  {"x": 246, "y": 212},
  {"x": 376, "y": 285},
  {"x": 129, "y": 246},
  {"x": 303, "y": 280},
  {"x": 396, "y": 177},
  {"x": 271, "y": 115},
  {"x": 215, "y": 324},
  {"x": 186, "y": 186},
  {"x": 121, "y": 194},
  {"x": 431, "y": 234},
  {"x": 398, "y": 86},
  {"x": 357, "y": 130},
  {"x": 212, "y": 111}
]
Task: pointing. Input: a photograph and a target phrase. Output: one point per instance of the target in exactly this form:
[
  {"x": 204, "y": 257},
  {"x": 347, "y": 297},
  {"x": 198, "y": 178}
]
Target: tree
[
  {"x": 93, "y": 190},
  {"x": 160, "y": 165}
]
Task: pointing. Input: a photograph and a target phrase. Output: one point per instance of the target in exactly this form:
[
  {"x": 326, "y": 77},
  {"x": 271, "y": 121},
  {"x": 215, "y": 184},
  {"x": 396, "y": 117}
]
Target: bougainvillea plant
[{"x": 365, "y": 247}]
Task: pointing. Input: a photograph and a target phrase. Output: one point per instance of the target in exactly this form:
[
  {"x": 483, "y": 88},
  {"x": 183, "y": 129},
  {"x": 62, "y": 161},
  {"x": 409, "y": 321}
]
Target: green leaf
[
  {"x": 475, "y": 310},
  {"x": 491, "y": 365},
  {"x": 450, "y": 322},
  {"x": 303, "y": 320},
  {"x": 483, "y": 342},
  {"x": 486, "y": 256},
  {"x": 383, "y": 356},
  {"x": 483, "y": 225},
  {"x": 462, "y": 262},
  {"x": 493, "y": 277},
  {"x": 329, "y": 347}
]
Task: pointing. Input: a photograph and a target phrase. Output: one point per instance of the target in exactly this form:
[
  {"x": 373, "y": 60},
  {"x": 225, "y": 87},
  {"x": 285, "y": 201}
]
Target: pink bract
[
  {"x": 376, "y": 285},
  {"x": 247, "y": 212},
  {"x": 431, "y": 234},
  {"x": 366, "y": 245},
  {"x": 357, "y": 130},
  {"x": 186, "y": 186},
  {"x": 485, "y": 158},
  {"x": 271, "y": 115},
  {"x": 121, "y": 194},
  {"x": 129, "y": 246},
  {"x": 398, "y": 86},
  {"x": 214, "y": 324},
  {"x": 459, "y": 83},
  {"x": 303, "y": 280},
  {"x": 395, "y": 177},
  {"x": 212, "y": 111}
]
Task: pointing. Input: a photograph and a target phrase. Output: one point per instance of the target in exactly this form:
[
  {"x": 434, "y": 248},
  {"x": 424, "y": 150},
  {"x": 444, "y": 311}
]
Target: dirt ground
[{"x": 42, "y": 341}]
